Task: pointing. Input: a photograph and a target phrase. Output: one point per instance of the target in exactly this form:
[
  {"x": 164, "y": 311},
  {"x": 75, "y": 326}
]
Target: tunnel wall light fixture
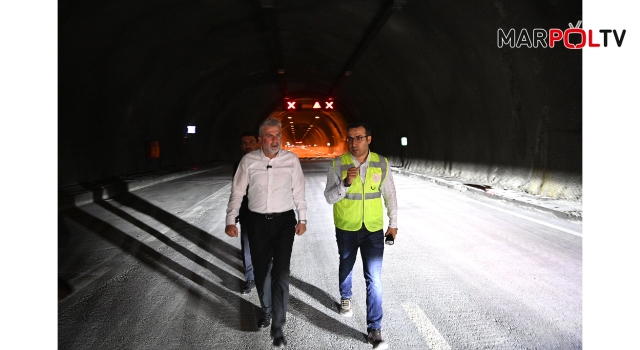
[
  {"x": 403, "y": 141},
  {"x": 191, "y": 129}
]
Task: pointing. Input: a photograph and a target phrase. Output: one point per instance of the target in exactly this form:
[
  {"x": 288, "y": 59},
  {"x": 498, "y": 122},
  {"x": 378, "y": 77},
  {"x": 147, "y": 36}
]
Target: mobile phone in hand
[{"x": 389, "y": 239}]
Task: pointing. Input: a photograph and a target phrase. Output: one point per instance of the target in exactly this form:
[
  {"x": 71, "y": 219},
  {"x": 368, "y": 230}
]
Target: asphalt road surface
[{"x": 153, "y": 269}]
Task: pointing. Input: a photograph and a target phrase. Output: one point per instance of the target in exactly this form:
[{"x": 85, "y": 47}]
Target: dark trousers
[{"x": 271, "y": 241}]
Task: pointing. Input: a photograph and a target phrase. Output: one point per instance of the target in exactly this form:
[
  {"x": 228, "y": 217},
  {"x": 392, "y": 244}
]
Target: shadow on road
[
  {"x": 324, "y": 321},
  {"x": 246, "y": 311},
  {"x": 202, "y": 239},
  {"x": 316, "y": 293},
  {"x": 166, "y": 266}
]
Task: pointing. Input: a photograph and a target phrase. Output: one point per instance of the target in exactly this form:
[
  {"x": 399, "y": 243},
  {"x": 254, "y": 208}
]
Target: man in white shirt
[
  {"x": 275, "y": 187},
  {"x": 357, "y": 182}
]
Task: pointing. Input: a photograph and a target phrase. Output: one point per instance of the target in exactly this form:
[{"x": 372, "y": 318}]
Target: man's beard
[{"x": 272, "y": 150}]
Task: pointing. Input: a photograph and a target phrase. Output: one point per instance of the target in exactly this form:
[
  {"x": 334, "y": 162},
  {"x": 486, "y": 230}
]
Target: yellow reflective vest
[{"x": 363, "y": 202}]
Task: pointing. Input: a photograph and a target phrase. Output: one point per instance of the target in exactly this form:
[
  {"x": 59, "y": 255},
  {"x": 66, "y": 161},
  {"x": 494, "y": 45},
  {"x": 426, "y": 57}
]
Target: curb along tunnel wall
[{"x": 504, "y": 117}]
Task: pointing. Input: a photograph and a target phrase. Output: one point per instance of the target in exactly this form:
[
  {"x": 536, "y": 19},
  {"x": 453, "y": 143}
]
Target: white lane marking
[
  {"x": 193, "y": 209},
  {"x": 530, "y": 219},
  {"x": 213, "y": 195},
  {"x": 428, "y": 331}
]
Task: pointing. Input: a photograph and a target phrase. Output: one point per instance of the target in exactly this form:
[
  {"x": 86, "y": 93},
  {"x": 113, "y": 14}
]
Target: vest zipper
[{"x": 363, "y": 198}]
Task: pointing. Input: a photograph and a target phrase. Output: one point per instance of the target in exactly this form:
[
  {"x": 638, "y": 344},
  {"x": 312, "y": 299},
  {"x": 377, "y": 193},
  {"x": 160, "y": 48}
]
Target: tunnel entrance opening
[{"x": 312, "y": 132}]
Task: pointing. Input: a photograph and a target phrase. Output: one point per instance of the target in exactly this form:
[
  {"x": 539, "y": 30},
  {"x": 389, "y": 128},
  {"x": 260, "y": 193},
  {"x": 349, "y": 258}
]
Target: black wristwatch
[{"x": 345, "y": 182}]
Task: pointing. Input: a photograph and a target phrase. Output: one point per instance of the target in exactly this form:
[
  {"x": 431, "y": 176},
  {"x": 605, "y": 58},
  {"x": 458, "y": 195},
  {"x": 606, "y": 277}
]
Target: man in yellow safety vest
[{"x": 357, "y": 182}]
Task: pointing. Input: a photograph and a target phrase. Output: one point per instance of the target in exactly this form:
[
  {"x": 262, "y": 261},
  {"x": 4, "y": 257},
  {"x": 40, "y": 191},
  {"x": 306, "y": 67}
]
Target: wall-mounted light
[
  {"x": 403, "y": 141},
  {"x": 328, "y": 144},
  {"x": 191, "y": 129}
]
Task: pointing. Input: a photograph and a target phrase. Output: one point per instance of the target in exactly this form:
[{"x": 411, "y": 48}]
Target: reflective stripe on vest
[
  {"x": 358, "y": 196},
  {"x": 352, "y": 211}
]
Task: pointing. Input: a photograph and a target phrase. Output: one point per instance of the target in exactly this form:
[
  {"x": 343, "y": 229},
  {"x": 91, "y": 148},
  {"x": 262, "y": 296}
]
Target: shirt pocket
[{"x": 281, "y": 177}]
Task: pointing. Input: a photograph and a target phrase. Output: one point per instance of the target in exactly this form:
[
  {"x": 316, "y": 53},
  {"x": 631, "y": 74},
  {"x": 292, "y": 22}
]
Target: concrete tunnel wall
[{"x": 134, "y": 71}]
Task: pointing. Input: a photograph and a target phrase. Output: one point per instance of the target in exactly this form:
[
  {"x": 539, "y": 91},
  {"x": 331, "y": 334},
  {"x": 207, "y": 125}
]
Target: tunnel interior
[
  {"x": 310, "y": 129},
  {"x": 136, "y": 73}
]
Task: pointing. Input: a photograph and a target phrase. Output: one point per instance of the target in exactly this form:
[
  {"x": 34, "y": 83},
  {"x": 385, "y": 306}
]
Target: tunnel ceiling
[{"x": 131, "y": 71}]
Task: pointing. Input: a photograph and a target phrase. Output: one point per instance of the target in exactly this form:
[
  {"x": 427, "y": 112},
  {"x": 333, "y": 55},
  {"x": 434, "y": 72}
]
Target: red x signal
[
  {"x": 291, "y": 105},
  {"x": 328, "y": 105}
]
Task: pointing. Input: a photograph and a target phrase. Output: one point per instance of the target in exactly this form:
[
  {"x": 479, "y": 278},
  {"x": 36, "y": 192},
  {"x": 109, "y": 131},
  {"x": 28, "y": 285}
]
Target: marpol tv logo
[{"x": 573, "y": 37}]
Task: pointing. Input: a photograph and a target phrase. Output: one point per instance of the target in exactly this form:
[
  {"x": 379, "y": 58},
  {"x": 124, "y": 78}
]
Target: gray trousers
[{"x": 246, "y": 253}]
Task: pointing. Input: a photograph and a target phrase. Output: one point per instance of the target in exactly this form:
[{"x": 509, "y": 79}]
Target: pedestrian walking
[
  {"x": 248, "y": 143},
  {"x": 273, "y": 181},
  {"x": 357, "y": 182}
]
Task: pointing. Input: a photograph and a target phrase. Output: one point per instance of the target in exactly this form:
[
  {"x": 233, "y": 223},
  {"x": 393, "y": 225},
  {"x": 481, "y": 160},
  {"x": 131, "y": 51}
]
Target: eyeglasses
[{"x": 357, "y": 139}]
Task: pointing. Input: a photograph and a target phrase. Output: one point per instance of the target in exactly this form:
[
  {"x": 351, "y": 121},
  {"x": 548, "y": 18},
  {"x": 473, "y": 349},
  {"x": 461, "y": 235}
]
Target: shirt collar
[
  {"x": 366, "y": 160},
  {"x": 265, "y": 156}
]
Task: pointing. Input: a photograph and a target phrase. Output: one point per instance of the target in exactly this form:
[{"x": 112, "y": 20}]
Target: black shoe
[
  {"x": 248, "y": 287},
  {"x": 375, "y": 338},
  {"x": 279, "y": 342},
  {"x": 265, "y": 320}
]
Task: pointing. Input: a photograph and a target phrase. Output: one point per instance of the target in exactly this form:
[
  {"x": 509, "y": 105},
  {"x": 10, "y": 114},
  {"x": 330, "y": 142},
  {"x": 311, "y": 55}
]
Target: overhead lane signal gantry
[{"x": 293, "y": 105}]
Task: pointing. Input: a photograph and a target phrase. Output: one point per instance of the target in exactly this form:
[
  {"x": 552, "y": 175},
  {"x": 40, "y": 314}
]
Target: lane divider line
[{"x": 429, "y": 333}]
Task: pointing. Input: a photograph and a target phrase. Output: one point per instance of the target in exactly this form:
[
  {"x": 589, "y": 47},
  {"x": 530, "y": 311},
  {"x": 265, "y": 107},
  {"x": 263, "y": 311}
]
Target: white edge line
[
  {"x": 212, "y": 195},
  {"x": 528, "y": 218},
  {"x": 194, "y": 208}
]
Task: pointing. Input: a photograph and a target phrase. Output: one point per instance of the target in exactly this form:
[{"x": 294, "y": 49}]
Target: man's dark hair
[
  {"x": 250, "y": 133},
  {"x": 366, "y": 127}
]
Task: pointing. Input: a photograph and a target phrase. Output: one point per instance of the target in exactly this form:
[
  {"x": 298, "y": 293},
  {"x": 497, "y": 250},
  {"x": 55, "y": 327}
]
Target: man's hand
[
  {"x": 300, "y": 229},
  {"x": 352, "y": 173},
  {"x": 231, "y": 230},
  {"x": 391, "y": 231}
]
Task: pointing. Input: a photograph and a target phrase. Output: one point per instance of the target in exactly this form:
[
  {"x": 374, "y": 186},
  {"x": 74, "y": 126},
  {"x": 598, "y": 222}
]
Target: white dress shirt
[
  {"x": 275, "y": 185},
  {"x": 336, "y": 190}
]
